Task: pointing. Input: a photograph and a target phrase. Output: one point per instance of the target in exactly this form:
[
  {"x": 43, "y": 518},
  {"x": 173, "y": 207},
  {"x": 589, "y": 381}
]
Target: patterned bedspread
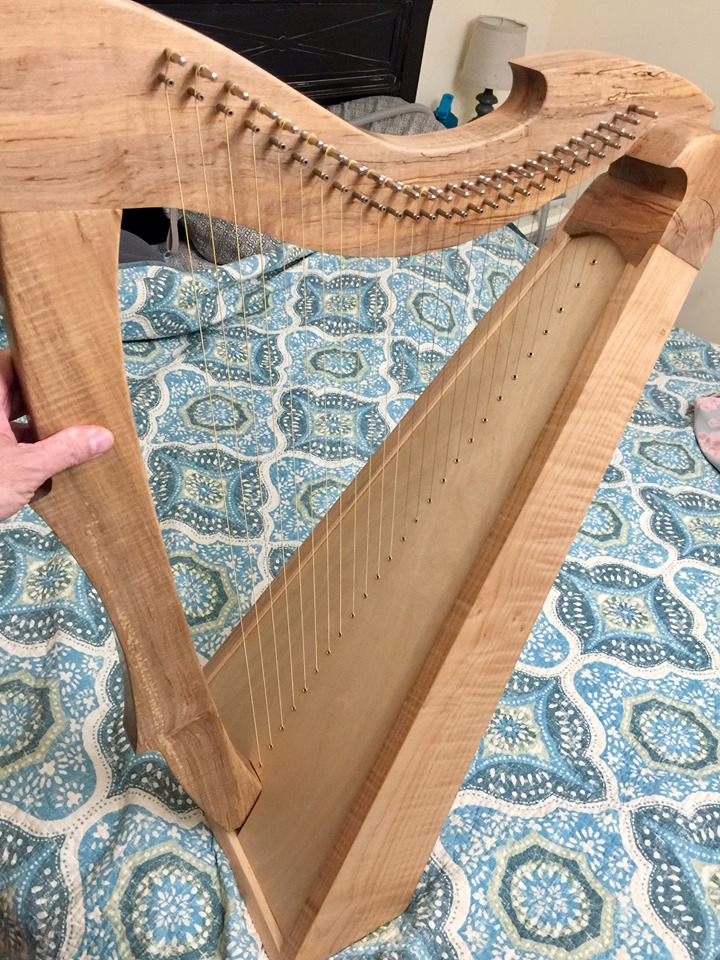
[{"x": 589, "y": 822}]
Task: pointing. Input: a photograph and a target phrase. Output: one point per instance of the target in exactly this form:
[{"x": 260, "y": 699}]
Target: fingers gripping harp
[{"x": 107, "y": 105}]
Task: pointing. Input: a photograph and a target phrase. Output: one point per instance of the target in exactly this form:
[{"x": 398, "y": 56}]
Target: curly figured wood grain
[
  {"x": 68, "y": 353},
  {"x": 85, "y": 125}
]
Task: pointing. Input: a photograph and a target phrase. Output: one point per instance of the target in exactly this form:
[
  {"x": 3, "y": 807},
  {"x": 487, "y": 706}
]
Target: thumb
[{"x": 67, "y": 448}]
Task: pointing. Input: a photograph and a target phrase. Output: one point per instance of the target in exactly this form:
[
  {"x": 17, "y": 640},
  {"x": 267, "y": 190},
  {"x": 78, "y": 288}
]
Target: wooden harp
[{"x": 106, "y": 105}]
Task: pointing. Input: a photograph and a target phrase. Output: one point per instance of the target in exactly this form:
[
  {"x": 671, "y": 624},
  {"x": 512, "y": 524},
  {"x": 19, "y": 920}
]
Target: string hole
[
  {"x": 389, "y": 558},
  {"x": 514, "y": 377},
  {"x": 578, "y": 284},
  {"x": 484, "y": 419},
  {"x": 545, "y": 332},
  {"x": 561, "y": 309},
  {"x": 317, "y": 670},
  {"x": 270, "y": 746},
  {"x": 339, "y": 633},
  {"x": 304, "y": 689},
  {"x": 593, "y": 262},
  {"x": 282, "y": 727},
  {"x": 352, "y": 615},
  {"x": 403, "y": 539},
  {"x": 293, "y": 708},
  {"x": 429, "y": 499},
  {"x": 443, "y": 480},
  {"x": 328, "y": 652},
  {"x": 377, "y": 576},
  {"x": 500, "y": 397},
  {"x": 415, "y": 519},
  {"x": 364, "y": 596},
  {"x": 530, "y": 354}
]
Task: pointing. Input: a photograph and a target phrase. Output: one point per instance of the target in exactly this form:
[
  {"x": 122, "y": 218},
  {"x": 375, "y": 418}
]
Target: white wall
[
  {"x": 449, "y": 34},
  {"x": 681, "y": 35}
]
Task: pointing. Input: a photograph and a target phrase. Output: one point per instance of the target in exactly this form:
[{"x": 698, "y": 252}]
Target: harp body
[{"x": 329, "y": 840}]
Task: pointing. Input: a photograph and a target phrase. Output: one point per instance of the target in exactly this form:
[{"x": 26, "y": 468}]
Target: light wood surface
[
  {"x": 92, "y": 68},
  {"x": 65, "y": 337},
  {"x": 356, "y": 786}
]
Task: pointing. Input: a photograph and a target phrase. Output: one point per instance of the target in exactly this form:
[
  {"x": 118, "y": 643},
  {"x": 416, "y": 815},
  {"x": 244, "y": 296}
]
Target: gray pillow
[{"x": 226, "y": 239}]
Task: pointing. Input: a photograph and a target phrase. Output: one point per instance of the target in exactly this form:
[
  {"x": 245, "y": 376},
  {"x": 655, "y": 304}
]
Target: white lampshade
[{"x": 494, "y": 41}]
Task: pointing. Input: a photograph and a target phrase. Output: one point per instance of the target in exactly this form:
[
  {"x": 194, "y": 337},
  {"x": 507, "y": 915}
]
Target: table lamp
[{"x": 494, "y": 41}]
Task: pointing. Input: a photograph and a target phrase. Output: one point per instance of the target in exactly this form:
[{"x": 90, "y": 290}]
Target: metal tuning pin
[
  {"x": 507, "y": 197},
  {"x": 164, "y": 78},
  {"x": 501, "y": 175},
  {"x": 460, "y": 213},
  {"x": 410, "y": 191},
  {"x": 261, "y": 107},
  {"x": 458, "y": 190},
  {"x": 444, "y": 213},
  {"x": 606, "y": 141},
  {"x": 549, "y": 158},
  {"x": 412, "y": 214},
  {"x": 224, "y": 108},
  {"x": 398, "y": 214},
  {"x": 287, "y": 125},
  {"x": 320, "y": 174},
  {"x": 642, "y": 111},
  {"x": 618, "y": 131},
  {"x": 626, "y": 118},
  {"x": 428, "y": 214},
  {"x": 277, "y": 143},
  {"x": 340, "y": 186},
  {"x": 252, "y": 126},
  {"x": 379, "y": 178},
  {"x": 487, "y": 202},
  {"x": 576, "y": 158},
  {"x": 534, "y": 165},
  {"x": 235, "y": 90},
  {"x": 480, "y": 191},
  {"x": 590, "y": 147},
  {"x": 521, "y": 171},
  {"x": 475, "y": 208},
  {"x": 299, "y": 158},
  {"x": 377, "y": 205},
  {"x": 358, "y": 168},
  {"x": 198, "y": 94},
  {"x": 174, "y": 56},
  {"x": 360, "y": 196},
  {"x": 201, "y": 70},
  {"x": 521, "y": 190}
]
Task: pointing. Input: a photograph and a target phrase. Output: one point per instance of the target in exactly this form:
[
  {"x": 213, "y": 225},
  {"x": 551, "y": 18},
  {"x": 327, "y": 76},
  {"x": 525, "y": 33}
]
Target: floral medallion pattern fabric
[{"x": 588, "y": 825}]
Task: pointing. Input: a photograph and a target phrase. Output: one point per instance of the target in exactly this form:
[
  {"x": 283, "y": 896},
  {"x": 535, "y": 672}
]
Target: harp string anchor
[
  {"x": 164, "y": 78},
  {"x": 277, "y": 143},
  {"x": 224, "y": 108},
  {"x": 198, "y": 94}
]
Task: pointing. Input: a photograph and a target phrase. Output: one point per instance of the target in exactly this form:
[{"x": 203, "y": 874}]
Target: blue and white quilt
[{"x": 589, "y": 823}]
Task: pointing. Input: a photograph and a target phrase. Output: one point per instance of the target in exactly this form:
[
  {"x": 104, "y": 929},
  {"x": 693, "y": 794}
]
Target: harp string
[
  {"x": 256, "y": 576},
  {"x": 378, "y": 267},
  {"x": 293, "y": 704},
  {"x": 273, "y": 433},
  {"x": 223, "y": 481},
  {"x": 361, "y": 215},
  {"x": 228, "y": 375},
  {"x": 388, "y": 334}
]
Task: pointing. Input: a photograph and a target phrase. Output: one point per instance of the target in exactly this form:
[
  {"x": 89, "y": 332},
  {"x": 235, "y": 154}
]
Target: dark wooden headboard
[{"x": 331, "y": 50}]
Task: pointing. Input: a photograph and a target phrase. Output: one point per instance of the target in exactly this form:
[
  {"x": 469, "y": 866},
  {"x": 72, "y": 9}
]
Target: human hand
[{"x": 24, "y": 467}]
